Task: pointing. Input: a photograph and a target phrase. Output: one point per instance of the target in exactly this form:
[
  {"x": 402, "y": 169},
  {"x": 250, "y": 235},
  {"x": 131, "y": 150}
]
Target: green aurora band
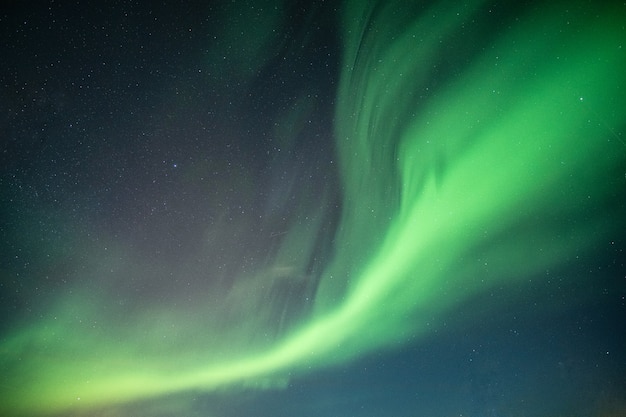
[{"x": 449, "y": 191}]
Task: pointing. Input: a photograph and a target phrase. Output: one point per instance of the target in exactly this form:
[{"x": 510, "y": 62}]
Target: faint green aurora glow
[{"x": 489, "y": 162}]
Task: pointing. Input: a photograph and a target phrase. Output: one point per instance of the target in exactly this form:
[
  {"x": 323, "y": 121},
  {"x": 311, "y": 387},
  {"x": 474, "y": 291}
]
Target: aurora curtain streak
[{"x": 476, "y": 147}]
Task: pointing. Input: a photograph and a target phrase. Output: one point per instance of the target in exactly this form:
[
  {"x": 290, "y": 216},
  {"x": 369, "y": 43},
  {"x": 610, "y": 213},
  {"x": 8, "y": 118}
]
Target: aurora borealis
[{"x": 238, "y": 208}]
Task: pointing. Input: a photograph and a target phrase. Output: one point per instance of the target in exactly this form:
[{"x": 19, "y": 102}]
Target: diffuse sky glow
[{"x": 453, "y": 182}]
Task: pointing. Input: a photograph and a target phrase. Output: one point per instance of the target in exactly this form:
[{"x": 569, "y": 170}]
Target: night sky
[{"x": 309, "y": 208}]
